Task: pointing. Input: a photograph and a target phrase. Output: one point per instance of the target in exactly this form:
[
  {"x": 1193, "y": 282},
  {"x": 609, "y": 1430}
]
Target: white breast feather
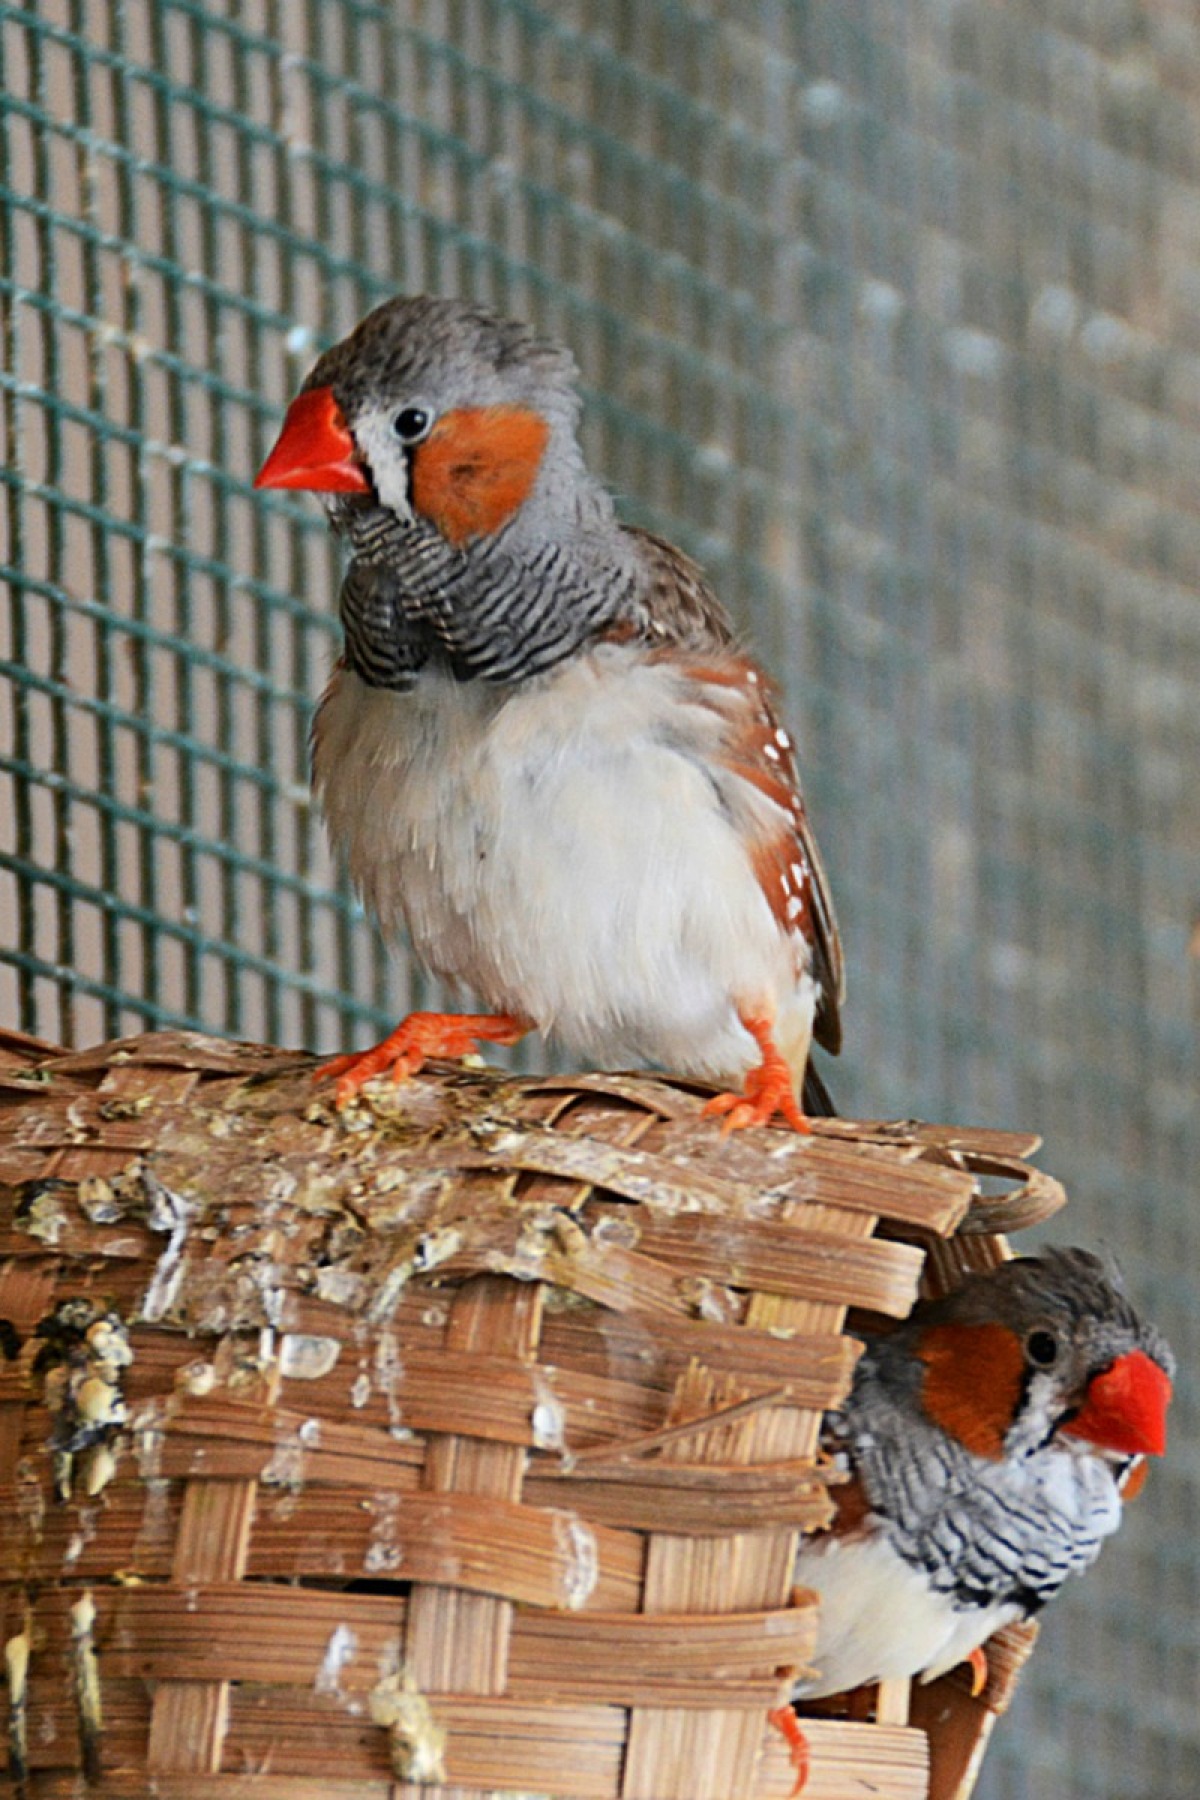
[
  {"x": 880, "y": 1618},
  {"x": 560, "y": 849}
]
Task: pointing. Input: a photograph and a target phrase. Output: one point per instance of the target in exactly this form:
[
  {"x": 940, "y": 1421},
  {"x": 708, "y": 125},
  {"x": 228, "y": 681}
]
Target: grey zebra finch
[
  {"x": 543, "y": 751},
  {"x": 989, "y": 1443}
]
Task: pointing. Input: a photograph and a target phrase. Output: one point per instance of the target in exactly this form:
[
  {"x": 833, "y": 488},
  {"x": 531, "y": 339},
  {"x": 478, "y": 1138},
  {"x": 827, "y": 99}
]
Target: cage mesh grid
[{"x": 887, "y": 312}]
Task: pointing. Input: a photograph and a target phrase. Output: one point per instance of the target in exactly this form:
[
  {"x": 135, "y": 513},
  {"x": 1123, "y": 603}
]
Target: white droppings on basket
[
  {"x": 417, "y": 1742},
  {"x": 383, "y": 1554},
  {"x": 341, "y": 1649},
  {"x": 286, "y": 1468},
  {"x": 580, "y": 1564},
  {"x": 549, "y": 1418},
  {"x": 44, "y": 1218},
  {"x": 196, "y": 1378},
  {"x": 341, "y": 1287},
  {"x": 387, "y": 1295},
  {"x": 98, "y": 1199},
  {"x": 389, "y": 1374},
  {"x": 97, "y": 1466},
  {"x": 154, "y": 1533},
  {"x": 390, "y": 1659},
  {"x": 719, "y": 1305},
  {"x": 89, "y": 1524},
  {"x": 569, "y": 1236},
  {"x": 170, "y": 1213},
  {"x": 437, "y": 1247},
  {"x": 617, "y": 1229},
  {"x": 79, "y": 1122},
  {"x": 305, "y": 1358},
  {"x": 361, "y": 1391},
  {"x": 268, "y": 1277},
  {"x": 30, "y": 1498}
]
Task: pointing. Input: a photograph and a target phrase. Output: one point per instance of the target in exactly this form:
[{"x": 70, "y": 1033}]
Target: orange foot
[
  {"x": 419, "y": 1036},
  {"x": 768, "y": 1088},
  {"x": 784, "y": 1719}
]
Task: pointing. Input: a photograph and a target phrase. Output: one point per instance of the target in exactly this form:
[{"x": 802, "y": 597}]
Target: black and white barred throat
[{"x": 493, "y": 611}]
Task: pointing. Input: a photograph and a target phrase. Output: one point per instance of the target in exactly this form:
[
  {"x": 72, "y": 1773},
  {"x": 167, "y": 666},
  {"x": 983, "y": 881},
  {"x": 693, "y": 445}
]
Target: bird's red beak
[
  {"x": 314, "y": 450},
  {"x": 1126, "y": 1407}
]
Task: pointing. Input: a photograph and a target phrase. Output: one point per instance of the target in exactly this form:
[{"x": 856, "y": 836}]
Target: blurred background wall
[{"x": 889, "y": 311}]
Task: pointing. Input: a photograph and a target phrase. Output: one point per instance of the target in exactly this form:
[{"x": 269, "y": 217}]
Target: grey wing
[{"x": 676, "y": 604}]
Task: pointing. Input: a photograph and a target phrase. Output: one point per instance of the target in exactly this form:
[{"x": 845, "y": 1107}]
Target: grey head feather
[
  {"x": 985, "y": 1528},
  {"x": 560, "y": 573},
  {"x": 463, "y": 353},
  {"x": 1073, "y": 1290}
]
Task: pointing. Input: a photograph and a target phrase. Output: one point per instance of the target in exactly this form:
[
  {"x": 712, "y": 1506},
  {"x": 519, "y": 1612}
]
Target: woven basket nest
[{"x": 456, "y": 1445}]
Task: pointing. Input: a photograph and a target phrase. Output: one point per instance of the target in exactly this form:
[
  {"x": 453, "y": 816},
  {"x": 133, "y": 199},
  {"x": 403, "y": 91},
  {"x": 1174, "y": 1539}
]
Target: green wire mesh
[{"x": 889, "y": 312}]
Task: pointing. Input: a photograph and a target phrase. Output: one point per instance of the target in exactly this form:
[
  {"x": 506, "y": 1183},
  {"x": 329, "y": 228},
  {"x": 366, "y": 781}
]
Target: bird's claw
[
  {"x": 405, "y": 1051},
  {"x": 784, "y": 1719},
  {"x": 977, "y": 1662},
  {"x": 767, "y": 1089}
]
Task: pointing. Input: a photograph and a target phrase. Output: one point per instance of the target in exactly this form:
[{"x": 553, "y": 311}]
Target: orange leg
[
  {"x": 768, "y": 1088},
  {"x": 784, "y": 1719},
  {"x": 421, "y": 1035}
]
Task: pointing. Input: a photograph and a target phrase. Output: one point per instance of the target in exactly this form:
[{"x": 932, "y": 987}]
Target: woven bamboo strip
[
  {"x": 188, "y": 1718},
  {"x": 816, "y": 1368},
  {"x": 890, "y": 1180},
  {"x": 770, "y": 1310},
  {"x": 571, "y": 1752},
  {"x": 848, "y": 1762},
  {"x": 612, "y": 1276},
  {"x": 892, "y": 1701},
  {"x": 661, "y": 1099},
  {"x": 807, "y": 1263},
  {"x": 851, "y": 1762},
  {"x": 306, "y": 1638},
  {"x": 456, "y": 1640},
  {"x": 731, "y": 1661},
  {"x": 219, "y": 1436},
  {"x": 452, "y": 1540},
  {"x": 26, "y": 1293},
  {"x": 473, "y": 1395},
  {"x": 115, "y": 1243},
  {"x": 40, "y": 1538},
  {"x": 690, "y": 1501},
  {"x": 741, "y": 1571},
  {"x": 18, "y": 1166},
  {"x": 237, "y": 1631},
  {"x": 129, "y": 1783},
  {"x": 972, "y": 1254},
  {"x": 518, "y": 1552},
  {"x": 55, "y": 1743}
]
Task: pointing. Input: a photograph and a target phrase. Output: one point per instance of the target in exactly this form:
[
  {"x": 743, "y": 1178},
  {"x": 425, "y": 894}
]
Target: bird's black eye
[
  {"x": 412, "y": 423},
  {"x": 1041, "y": 1347}
]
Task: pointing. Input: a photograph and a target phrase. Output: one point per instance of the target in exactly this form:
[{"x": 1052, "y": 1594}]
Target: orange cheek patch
[
  {"x": 477, "y": 466},
  {"x": 974, "y": 1375}
]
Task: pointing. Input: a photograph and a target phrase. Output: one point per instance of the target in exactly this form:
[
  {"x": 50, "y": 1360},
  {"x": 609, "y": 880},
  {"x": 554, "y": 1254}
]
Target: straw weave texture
[{"x": 456, "y": 1445}]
